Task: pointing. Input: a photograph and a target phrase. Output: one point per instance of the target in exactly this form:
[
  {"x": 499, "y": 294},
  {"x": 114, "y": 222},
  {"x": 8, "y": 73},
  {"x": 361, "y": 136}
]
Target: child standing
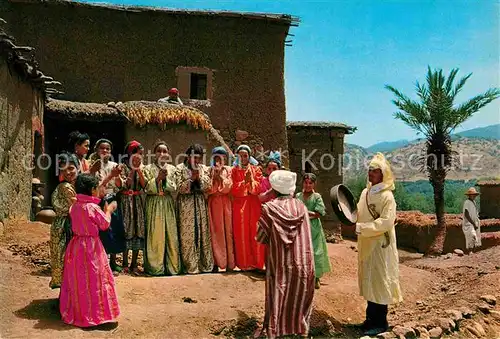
[
  {"x": 132, "y": 203},
  {"x": 88, "y": 296},
  {"x": 316, "y": 207},
  {"x": 60, "y": 231}
]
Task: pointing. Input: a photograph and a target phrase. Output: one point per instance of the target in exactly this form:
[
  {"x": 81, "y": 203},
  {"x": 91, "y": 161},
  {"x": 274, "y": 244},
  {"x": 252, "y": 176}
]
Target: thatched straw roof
[
  {"x": 61, "y": 109},
  {"x": 140, "y": 113},
  {"x": 492, "y": 182},
  {"x": 321, "y": 125}
]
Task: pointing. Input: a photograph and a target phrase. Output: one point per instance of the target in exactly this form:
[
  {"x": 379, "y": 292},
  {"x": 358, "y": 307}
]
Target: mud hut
[
  {"x": 23, "y": 88},
  {"x": 489, "y": 198},
  {"x": 144, "y": 121}
]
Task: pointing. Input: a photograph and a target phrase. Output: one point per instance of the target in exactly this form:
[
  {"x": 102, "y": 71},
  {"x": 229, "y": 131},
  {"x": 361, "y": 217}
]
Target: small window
[{"x": 198, "y": 88}]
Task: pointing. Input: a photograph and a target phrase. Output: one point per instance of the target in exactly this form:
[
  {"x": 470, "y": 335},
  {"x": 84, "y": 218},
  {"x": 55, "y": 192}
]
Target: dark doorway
[
  {"x": 37, "y": 153},
  {"x": 56, "y": 140}
]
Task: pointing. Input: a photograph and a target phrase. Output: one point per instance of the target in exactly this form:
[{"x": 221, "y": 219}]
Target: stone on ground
[
  {"x": 491, "y": 300},
  {"x": 436, "y": 332},
  {"x": 458, "y": 252}
]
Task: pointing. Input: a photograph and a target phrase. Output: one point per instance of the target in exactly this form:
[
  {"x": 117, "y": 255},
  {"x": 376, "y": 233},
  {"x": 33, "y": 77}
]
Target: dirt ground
[{"x": 232, "y": 305}]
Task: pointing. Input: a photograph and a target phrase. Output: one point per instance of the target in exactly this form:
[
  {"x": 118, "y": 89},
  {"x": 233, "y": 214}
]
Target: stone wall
[
  {"x": 320, "y": 146},
  {"x": 490, "y": 201},
  {"x": 20, "y": 106},
  {"x": 104, "y": 54}
]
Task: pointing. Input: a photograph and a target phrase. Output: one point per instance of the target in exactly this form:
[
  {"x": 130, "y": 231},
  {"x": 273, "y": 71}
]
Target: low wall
[{"x": 416, "y": 231}]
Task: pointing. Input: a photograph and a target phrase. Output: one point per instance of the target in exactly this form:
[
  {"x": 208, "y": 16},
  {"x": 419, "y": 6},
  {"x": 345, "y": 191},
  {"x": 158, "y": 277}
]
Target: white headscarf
[
  {"x": 283, "y": 181},
  {"x": 380, "y": 162}
]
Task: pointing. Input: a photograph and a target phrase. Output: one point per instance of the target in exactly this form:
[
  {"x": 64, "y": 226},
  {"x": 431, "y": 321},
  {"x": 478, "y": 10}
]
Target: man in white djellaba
[{"x": 471, "y": 226}]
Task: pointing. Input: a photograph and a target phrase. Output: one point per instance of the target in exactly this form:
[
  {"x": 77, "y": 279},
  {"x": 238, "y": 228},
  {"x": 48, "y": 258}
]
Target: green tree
[{"x": 435, "y": 115}]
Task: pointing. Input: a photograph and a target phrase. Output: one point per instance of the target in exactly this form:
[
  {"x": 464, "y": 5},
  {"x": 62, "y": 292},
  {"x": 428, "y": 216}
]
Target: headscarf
[
  {"x": 131, "y": 148},
  {"x": 310, "y": 176},
  {"x": 275, "y": 157},
  {"x": 380, "y": 162},
  {"x": 283, "y": 181},
  {"x": 195, "y": 149},
  {"x": 217, "y": 151},
  {"x": 251, "y": 161}
]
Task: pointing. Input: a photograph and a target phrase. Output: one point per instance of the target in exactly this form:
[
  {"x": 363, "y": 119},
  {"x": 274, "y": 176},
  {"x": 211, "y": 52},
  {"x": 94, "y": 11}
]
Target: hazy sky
[{"x": 344, "y": 52}]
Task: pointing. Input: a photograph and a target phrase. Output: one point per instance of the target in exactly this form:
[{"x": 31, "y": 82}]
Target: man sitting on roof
[{"x": 173, "y": 97}]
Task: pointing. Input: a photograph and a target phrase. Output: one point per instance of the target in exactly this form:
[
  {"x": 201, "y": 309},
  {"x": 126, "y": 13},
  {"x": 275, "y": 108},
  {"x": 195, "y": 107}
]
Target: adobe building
[
  {"x": 23, "y": 88},
  {"x": 489, "y": 199},
  {"x": 146, "y": 122},
  {"x": 228, "y": 64},
  {"x": 318, "y": 147}
]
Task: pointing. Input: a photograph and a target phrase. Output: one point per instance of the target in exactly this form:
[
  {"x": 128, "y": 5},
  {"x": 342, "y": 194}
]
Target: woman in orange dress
[
  {"x": 220, "y": 211},
  {"x": 246, "y": 188}
]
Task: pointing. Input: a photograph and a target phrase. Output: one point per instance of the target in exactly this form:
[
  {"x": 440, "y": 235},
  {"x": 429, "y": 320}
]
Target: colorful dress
[
  {"x": 60, "y": 231},
  {"x": 220, "y": 220},
  {"x": 246, "y": 214},
  {"x": 162, "y": 252},
  {"x": 321, "y": 259},
  {"x": 194, "y": 231},
  {"x": 88, "y": 296},
  {"x": 265, "y": 191},
  {"x": 284, "y": 226},
  {"x": 132, "y": 204},
  {"x": 113, "y": 238}
]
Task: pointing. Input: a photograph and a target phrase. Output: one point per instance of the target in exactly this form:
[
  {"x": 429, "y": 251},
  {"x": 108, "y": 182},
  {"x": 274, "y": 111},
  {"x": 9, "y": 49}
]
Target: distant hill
[
  {"x": 475, "y": 158},
  {"x": 387, "y": 146},
  {"x": 488, "y": 132}
]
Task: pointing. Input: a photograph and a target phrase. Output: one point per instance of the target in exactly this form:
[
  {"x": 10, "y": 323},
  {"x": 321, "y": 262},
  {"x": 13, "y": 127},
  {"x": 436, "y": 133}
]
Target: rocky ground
[{"x": 450, "y": 296}]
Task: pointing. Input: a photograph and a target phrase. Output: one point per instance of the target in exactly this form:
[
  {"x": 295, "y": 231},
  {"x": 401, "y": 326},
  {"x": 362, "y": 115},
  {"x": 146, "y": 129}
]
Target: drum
[{"x": 344, "y": 205}]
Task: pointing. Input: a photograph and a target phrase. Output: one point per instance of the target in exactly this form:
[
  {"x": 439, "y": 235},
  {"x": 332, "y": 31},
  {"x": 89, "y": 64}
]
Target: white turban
[{"x": 283, "y": 181}]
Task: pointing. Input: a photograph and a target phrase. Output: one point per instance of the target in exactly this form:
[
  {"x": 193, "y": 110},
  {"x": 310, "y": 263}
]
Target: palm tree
[{"x": 435, "y": 115}]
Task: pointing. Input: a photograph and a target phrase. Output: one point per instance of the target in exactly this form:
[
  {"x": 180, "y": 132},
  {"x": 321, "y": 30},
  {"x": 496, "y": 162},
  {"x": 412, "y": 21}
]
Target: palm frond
[
  {"x": 471, "y": 106},
  {"x": 450, "y": 80},
  {"x": 460, "y": 85}
]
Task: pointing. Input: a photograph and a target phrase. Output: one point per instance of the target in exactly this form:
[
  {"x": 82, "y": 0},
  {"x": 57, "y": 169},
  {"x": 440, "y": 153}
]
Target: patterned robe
[
  {"x": 220, "y": 217},
  {"x": 88, "y": 296},
  {"x": 162, "y": 252},
  {"x": 132, "y": 204},
  {"x": 321, "y": 259},
  {"x": 246, "y": 212},
  {"x": 60, "y": 231},
  {"x": 194, "y": 231},
  {"x": 284, "y": 225}
]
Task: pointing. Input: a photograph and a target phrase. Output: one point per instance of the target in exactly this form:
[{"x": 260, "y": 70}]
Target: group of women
[{"x": 210, "y": 225}]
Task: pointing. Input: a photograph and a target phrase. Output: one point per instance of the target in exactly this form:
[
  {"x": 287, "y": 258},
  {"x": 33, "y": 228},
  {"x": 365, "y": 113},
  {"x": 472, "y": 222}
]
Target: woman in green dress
[
  {"x": 316, "y": 207},
  {"x": 162, "y": 254},
  {"x": 60, "y": 231}
]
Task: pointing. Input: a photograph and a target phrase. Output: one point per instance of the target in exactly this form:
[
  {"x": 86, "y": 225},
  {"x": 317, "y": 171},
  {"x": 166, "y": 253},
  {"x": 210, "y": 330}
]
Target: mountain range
[
  {"x": 488, "y": 132},
  {"x": 477, "y": 156}
]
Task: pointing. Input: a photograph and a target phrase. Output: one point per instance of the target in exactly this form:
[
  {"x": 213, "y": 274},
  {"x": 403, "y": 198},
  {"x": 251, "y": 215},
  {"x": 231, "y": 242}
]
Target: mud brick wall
[
  {"x": 178, "y": 138},
  {"x": 20, "y": 105},
  {"x": 490, "y": 201},
  {"x": 420, "y": 237},
  {"x": 324, "y": 144},
  {"x": 102, "y": 54}
]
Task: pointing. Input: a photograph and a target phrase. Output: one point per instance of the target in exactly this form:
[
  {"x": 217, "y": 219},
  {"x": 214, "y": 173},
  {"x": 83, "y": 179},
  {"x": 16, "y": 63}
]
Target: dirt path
[{"x": 224, "y": 304}]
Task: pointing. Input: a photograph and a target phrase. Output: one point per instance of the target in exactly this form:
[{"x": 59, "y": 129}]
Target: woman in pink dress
[
  {"x": 219, "y": 211},
  {"x": 88, "y": 296},
  {"x": 273, "y": 164}
]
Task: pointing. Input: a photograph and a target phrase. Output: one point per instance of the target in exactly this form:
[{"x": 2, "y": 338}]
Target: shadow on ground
[{"x": 46, "y": 311}]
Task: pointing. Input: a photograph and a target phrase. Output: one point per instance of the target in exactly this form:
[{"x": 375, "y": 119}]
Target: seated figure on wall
[{"x": 172, "y": 98}]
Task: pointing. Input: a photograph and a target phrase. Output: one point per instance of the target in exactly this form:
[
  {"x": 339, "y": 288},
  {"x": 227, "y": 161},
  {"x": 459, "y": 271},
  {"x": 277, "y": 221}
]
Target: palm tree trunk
[{"x": 437, "y": 181}]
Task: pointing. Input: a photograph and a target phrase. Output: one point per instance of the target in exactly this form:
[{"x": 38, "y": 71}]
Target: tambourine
[{"x": 344, "y": 205}]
